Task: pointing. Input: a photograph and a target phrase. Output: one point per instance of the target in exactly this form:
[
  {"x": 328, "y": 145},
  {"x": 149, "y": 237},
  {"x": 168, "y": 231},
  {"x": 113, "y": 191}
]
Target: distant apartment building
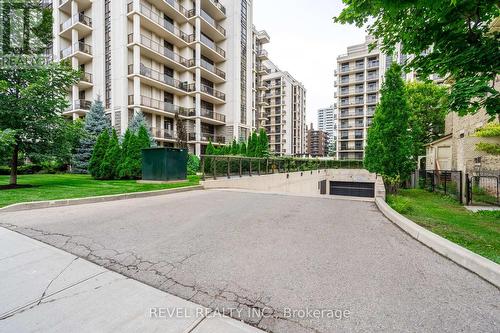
[
  {"x": 282, "y": 103},
  {"x": 163, "y": 57},
  {"x": 260, "y": 56},
  {"x": 327, "y": 122},
  {"x": 317, "y": 142},
  {"x": 359, "y": 75}
]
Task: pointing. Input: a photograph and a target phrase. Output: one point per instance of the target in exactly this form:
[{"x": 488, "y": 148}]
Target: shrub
[
  {"x": 400, "y": 204},
  {"x": 193, "y": 164}
]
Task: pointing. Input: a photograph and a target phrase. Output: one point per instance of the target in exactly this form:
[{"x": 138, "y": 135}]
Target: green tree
[
  {"x": 235, "y": 148},
  {"x": 7, "y": 140},
  {"x": 33, "y": 90},
  {"x": 138, "y": 121},
  {"x": 453, "y": 39},
  {"x": 389, "y": 144},
  {"x": 95, "y": 123},
  {"x": 109, "y": 165},
  {"x": 491, "y": 130},
  {"x": 428, "y": 108},
  {"x": 210, "y": 150},
  {"x": 243, "y": 149},
  {"x": 127, "y": 147},
  {"x": 98, "y": 154},
  {"x": 263, "y": 143}
]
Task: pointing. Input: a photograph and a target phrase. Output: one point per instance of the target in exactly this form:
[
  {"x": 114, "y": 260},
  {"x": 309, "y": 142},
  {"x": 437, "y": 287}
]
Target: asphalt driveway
[{"x": 282, "y": 256}]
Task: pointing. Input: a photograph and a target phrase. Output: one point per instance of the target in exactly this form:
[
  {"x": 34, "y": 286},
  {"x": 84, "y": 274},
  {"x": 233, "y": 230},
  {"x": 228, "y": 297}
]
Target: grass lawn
[
  {"x": 66, "y": 186},
  {"x": 478, "y": 232}
]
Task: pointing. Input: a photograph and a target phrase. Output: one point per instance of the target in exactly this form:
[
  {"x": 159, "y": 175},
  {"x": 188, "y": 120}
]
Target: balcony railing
[
  {"x": 205, "y": 137},
  {"x": 211, "y": 44},
  {"x": 80, "y": 104},
  {"x": 158, "y": 105},
  {"x": 212, "y": 68},
  {"x": 217, "y": 4},
  {"x": 212, "y": 22},
  {"x": 372, "y": 64},
  {"x": 163, "y": 133},
  {"x": 206, "y": 113},
  {"x": 372, "y": 76},
  {"x": 208, "y": 90},
  {"x": 369, "y": 89},
  {"x": 81, "y": 18},
  {"x": 159, "y": 48},
  {"x": 177, "y": 6},
  {"x": 262, "y": 53},
  {"x": 86, "y": 77},
  {"x": 359, "y": 78},
  {"x": 160, "y": 77},
  {"x": 77, "y": 47},
  {"x": 161, "y": 21}
]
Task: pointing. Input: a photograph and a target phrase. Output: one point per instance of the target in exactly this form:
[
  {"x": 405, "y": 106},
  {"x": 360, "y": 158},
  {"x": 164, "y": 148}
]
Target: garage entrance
[{"x": 353, "y": 189}]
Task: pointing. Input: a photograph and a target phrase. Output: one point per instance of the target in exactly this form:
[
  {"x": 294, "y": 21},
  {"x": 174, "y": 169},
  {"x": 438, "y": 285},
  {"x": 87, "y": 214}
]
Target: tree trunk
[{"x": 13, "y": 165}]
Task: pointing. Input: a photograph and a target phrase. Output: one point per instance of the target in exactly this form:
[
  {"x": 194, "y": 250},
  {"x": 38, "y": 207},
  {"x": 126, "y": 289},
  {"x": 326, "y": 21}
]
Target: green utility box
[{"x": 164, "y": 164}]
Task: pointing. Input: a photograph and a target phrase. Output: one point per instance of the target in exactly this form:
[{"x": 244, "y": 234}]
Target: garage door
[{"x": 353, "y": 189}]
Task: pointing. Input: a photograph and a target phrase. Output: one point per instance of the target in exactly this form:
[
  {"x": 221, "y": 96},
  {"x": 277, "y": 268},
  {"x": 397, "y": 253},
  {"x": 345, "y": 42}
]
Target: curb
[
  {"x": 81, "y": 201},
  {"x": 475, "y": 263}
]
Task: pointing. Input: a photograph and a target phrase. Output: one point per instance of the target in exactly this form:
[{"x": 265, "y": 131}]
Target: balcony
[
  {"x": 373, "y": 64},
  {"x": 371, "y": 100},
  {"x": 372, "y": 76},
  {"x": 262, "y": 55},
  {"x": 155, "y": 105},
  {"x": 168, "y": 31},
  {"x": 206, "y": 137},
  {"x": 371, "y": 88},
  {"x": 210, "y": 48},
  {"x": 263, "y": 37},
  {"x": 163, "y": 133},
  {"x": 359, "y": 79},
  {"x": 85, "y": 80},
  {"x": 79, "y": 22},
  {"x": 160, "y": 80},
  {"x": 79, "y": 106},
  {"x": 213, "y": 117},
  {"x": 210, "y": 94},
  {"x": 172, "y": 8},
  {"x": 209, "y": 26},
  {"x": 214, "y": 74},
  {"x": 65, "y": 5},
  {"x": 158, "y": 52},
  {"x": 214, "y": 8},
  {"x": 82, "y": 51}
]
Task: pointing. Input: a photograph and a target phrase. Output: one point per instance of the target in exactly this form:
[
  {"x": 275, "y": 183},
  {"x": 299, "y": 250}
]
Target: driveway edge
[
  {"x": 80, "y": 201},
  {"x": 475, "y": 263}
]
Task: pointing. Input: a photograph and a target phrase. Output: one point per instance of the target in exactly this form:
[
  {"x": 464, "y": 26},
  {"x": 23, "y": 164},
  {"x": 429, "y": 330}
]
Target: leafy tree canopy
[{"x": 452, "y": 38}]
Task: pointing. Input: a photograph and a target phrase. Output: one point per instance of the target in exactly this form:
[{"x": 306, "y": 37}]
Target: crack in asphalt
[{"x": 130, "y": 264}]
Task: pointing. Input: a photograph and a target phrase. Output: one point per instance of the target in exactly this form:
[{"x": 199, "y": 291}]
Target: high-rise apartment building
[
  {"x": 283, "y": 111},
  {"x": 358, "y": 79},
  {"x": 317, "y": 142},
  {"x": 260, "y": 38},
  {"x": 163, "y": 57},
  {"x": 327, "y": 122}
]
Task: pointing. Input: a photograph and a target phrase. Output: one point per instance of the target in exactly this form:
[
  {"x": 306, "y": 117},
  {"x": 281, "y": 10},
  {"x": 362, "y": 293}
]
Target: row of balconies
[
  {"x": 369, "y": 77},
  {"x": 179, "y": 86},
  {"x": 359, "y": 67},
  {"x": 169, "y": 134},
  {"x": 359, "y": 101},
  {"x": 206, "y": 137},
  {"x": 180, "y": 37}
]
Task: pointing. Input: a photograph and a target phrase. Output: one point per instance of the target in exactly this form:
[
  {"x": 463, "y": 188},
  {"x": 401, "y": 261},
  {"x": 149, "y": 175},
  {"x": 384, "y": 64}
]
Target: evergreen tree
[
  {"x": 182, "y": 136},
  {"x": 143, "y": 138},
  {"x": 128, "y": 142},
  {"x": 389, "y": 143},
  {"x": 243, "y": 149},
  {"x": 95, "y": 123},
  {"x": 263, "y": 143},
  {"x": 109, "y": 165},
  {"x": 139, "y": 120},
  {"x": 210, "y": 150},
  {"x": 235, "y": 148},
  {"x": 253, "y": 145},
  {"x": 98, "y": 154}
]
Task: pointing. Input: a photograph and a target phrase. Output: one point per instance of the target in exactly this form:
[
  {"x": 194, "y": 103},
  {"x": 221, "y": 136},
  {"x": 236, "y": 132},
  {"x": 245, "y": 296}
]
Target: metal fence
[
  {"x": 483, "y": 188},
  {"x": 228, "y": 166},
  {"x": 447, "y": 182}
]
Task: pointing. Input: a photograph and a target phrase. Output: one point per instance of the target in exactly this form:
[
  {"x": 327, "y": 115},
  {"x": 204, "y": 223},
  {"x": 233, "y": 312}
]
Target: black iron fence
[
  {"x": 447, "y": 182},
  {"x": 483, "y": 188},
  {"x": 228, "y": 166}
]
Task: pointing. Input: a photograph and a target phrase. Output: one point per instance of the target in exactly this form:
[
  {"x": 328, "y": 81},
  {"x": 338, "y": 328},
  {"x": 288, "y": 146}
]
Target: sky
[{"x": 306, "y": 42}]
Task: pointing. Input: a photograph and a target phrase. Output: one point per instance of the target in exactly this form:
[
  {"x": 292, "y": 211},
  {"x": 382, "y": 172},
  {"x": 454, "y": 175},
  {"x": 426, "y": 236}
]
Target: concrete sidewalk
[{"x": 47, "y": 289}]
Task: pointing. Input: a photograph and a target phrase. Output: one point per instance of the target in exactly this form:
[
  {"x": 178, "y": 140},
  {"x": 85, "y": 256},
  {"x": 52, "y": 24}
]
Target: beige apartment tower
[
  {"x": 282, "y": 103},
  {"x": 358, "y": 79},
  {"x": 163, "y": 57}
]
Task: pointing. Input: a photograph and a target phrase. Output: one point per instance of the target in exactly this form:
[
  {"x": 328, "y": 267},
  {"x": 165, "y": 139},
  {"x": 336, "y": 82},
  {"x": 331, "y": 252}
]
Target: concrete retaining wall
[
  {"x": 305, "y": 183},
  {"x": 483, "y": 267}
]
